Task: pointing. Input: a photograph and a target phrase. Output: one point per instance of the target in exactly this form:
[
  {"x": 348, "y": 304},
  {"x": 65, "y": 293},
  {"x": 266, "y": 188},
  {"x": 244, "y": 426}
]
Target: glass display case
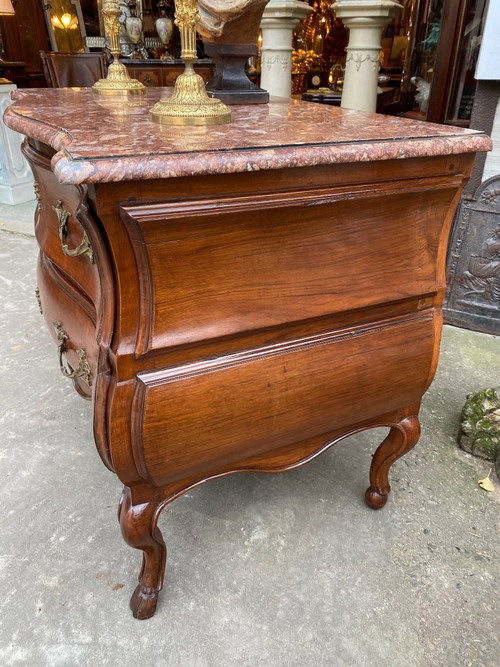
[
  {"x": 438, "y": 81},
  {"x": 463, "y": 84},
  {"x": 429, "y": 55}
]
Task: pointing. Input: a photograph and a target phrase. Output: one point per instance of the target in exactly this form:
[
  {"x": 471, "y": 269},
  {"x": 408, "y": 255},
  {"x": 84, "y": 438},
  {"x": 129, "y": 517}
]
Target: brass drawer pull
[
  {"x": 84, "y": 248},
  {"x": 83, "y": 371},
  {"x": 36, "y": 189},
  {"x": 38, "y": 300}
]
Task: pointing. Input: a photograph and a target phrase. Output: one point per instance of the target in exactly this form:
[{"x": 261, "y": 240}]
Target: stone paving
[{"x": 275, "y": 570}]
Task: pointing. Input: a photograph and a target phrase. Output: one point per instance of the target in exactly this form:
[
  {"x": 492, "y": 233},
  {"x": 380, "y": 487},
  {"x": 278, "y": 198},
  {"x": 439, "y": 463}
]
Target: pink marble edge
[{"x": 68, "y": 169}]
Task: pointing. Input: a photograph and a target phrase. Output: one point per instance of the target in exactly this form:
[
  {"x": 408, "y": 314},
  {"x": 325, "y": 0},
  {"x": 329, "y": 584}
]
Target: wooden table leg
[
  {"x": 401, "y": 438},
  {"x": 139, "y": 528}
]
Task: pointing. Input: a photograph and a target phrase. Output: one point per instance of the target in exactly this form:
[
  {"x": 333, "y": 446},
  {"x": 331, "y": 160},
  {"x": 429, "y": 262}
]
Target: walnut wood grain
[
  {"x": 245, "y": 321},
  {"x": 139, "y": 529}
]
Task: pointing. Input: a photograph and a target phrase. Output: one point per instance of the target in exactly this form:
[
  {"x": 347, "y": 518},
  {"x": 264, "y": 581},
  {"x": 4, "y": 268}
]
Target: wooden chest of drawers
[
  {"x": 165, "y": 72},
  {"x": 239, "y": 298}
]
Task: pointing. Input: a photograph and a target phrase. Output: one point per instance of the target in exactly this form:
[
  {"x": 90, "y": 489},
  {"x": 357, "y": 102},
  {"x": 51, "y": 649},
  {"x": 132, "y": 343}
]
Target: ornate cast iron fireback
[{"x": 473, "y": 297}]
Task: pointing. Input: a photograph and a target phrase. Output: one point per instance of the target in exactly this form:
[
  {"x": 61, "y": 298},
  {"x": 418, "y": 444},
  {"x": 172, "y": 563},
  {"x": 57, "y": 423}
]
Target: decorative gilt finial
[
  {"x": 189, "y": 103},
  {"x": 118, "y": 81}
]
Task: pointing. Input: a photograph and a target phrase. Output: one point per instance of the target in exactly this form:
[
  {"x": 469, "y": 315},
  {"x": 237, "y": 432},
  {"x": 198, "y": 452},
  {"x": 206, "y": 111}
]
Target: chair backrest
[{"x": 64, "y": 70}]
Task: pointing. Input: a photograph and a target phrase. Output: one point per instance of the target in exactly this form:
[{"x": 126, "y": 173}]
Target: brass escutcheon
[
  {"x": 38, "y": 196},
  {"x": 83, "y": 371},
  {"x": 38, "y": 300},
  {"x": 84, "y": 248}
]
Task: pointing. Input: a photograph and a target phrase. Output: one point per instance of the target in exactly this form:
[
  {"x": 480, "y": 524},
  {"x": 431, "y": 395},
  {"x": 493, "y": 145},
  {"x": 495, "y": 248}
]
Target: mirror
[{"x": 65, "y": 25}]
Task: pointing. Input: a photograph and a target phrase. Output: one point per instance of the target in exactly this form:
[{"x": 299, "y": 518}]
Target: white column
[
  {"x": 278, "y": 22},
  {"x": 16, "y": 179},
  {"x": 365, "y": 20}
]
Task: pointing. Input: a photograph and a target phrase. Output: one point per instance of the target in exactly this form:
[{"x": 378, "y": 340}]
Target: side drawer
[
  {"x": 71, "y": 321},
  {"x": 204, "y": 418},
  {"x": 61, "y": 227}
]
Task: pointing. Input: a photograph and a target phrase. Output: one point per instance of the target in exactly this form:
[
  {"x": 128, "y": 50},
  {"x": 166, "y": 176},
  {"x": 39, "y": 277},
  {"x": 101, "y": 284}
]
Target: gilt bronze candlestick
[
  {"x": 118, "y": 81},
  {"x": 189, "y": 103}
]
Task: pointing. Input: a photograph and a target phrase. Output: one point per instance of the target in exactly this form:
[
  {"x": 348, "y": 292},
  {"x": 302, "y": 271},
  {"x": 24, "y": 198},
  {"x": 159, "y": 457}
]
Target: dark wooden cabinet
[
  {"x": 23, "y": 37},
  {"x": 239, "y": 298},
  {"x": 165, "y": 72}
]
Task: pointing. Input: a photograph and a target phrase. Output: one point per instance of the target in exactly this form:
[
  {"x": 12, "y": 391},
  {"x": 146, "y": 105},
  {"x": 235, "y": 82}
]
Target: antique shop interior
[
  {"x": 425, "y": 57},
  {"x": 429, "y": 51}
]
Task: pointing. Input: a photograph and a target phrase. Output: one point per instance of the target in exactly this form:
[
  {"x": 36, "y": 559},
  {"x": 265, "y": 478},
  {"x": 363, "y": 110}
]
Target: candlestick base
[
  {"x": 190, "y": 104},
  {"x": 118, "y": 82}
]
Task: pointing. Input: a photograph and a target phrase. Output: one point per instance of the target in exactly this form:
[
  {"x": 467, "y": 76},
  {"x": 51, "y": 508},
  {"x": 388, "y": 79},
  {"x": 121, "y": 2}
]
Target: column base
[{"x": 17, "y": 193}]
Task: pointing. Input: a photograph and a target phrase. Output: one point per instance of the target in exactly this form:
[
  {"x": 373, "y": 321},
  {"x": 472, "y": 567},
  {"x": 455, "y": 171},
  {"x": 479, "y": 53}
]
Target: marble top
[{"x": 101, "y": 140}]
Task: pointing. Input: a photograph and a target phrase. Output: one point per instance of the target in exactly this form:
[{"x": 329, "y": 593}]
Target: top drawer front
[
  {"x": 212, "y": 268},
  {"x": 61, "y": 227}
]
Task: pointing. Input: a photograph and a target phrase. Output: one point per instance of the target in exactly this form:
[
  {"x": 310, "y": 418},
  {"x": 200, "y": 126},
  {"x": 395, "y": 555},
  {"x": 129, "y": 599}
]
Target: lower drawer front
[
  {"x": 205, "y": 418},
  {"x": 71, "y": 322}
]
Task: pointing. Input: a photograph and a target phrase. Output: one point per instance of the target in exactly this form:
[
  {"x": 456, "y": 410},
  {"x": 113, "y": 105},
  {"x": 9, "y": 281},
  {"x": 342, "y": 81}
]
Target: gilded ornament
[
  {"x": 38, "y": 300},
  {"x": 189, "y": 104},
  {"x": 38, "y": 196},
  {"x": 84, "y": 247},
  {"x": 83, "y": 370},
  {"x": 118, "y": 81}
]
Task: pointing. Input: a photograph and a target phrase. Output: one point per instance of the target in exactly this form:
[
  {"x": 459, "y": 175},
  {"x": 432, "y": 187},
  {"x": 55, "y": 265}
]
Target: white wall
[
  {"x": 488, "y": 68},
  {"x": 492, "y": 164},
  {"x": 488, "y": 64}
]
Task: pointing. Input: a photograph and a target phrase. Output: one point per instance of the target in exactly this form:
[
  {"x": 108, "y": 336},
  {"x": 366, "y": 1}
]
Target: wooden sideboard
[
  {"x": 239, "y": 298},
  {"x": 165, "y": 72}
]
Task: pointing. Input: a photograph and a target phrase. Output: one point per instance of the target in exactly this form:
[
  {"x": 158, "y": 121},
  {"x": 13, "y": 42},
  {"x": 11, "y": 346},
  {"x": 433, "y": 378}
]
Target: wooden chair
[{"x": 64, "y": 70}]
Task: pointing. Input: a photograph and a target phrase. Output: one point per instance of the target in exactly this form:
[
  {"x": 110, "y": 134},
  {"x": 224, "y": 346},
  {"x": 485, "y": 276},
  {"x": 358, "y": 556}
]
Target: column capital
[
  {"x": 348, "y": 10},
  {"x": 277, "y": 10}
]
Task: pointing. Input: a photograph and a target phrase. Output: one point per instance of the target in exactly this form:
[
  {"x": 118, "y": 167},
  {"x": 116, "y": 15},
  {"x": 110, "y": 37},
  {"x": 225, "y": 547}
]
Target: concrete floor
[{"x": 272, "y": 570}]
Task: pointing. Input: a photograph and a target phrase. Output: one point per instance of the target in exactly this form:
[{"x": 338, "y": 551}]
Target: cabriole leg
[
  {"x": 139, "y": 528},
  {"x": 401, "y": 438}
]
